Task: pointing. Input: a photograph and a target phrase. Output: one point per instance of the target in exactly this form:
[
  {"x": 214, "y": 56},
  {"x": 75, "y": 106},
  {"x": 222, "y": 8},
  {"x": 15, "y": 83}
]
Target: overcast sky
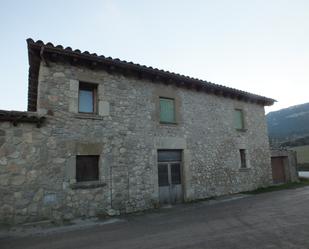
[{"x": 260, "y": 46}]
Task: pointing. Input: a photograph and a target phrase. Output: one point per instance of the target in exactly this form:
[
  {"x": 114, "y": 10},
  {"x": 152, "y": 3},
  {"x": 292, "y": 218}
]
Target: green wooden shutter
[
  {"x": 239, "y": 119},
  {"x": 167, "y": 110}
]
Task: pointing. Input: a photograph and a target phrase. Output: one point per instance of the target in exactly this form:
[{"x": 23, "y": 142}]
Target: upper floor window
[
  {"x": 167, "y": 110},
  {"x": 87, "y": 98},
  {"x": 239, "y": 119},
  {"x": 87, "y": 168}
]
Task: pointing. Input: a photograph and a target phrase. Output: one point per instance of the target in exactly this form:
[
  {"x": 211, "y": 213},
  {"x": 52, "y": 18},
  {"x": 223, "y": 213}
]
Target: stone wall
[{"x": 37, "y": 174}]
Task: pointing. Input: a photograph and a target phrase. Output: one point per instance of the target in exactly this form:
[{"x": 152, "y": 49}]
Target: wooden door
[{"x": 277, "y": 164}]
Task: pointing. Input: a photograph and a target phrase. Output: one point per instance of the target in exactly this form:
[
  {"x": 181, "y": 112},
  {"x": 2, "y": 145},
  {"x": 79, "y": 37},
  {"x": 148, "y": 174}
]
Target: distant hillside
[
  {"x": 297, "y": 142},
  {"x": 287, "y": 125}
]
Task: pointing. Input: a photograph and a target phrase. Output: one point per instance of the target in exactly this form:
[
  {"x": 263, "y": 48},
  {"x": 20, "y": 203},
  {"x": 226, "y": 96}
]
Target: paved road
[{"x": 271, "y": 220}]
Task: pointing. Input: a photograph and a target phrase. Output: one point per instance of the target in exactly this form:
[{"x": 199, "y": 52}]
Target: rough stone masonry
[{"x": 38, "y": 164}]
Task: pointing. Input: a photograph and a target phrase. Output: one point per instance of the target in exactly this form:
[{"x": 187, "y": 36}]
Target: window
[
  {"x": 87, "y": 168},
  {"x": 175, "y": 173},
  {"x": 87, "y": 98},
  {"x": 169, "y": 155},
  {"x": 239, "y": 119},
  {"x": 163, "y": 175},
  {"x": 167, "y": 110},
  {"x": 243, "y": 161}
]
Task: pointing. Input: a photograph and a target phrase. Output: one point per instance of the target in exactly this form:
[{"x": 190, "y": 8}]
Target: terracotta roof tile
[
  {"x": 16, "y": 117},
  {"x": 34, "y": 49}
]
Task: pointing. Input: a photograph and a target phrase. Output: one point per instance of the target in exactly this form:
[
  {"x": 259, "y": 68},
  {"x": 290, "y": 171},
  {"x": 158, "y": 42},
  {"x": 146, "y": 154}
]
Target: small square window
[
  {"x": 87, "y": 98},
  {"x": 243, "y": 160},
  {"x": 239, "y": 119},
  {"x": 167, "y": 110},
  {"x": 87, "y": 168}
]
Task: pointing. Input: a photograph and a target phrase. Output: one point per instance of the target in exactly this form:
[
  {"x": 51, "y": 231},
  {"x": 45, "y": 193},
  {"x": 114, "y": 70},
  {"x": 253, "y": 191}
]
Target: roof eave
[{"x": 35, "y": 53}]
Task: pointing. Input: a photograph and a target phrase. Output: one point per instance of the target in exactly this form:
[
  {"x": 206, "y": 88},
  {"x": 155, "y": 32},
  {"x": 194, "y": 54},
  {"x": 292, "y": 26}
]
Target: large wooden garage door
[{"x": 277, "y": 164}]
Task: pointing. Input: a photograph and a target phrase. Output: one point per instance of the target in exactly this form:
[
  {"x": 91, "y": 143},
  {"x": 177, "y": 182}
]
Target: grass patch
[{"x": 292, "y": 185}]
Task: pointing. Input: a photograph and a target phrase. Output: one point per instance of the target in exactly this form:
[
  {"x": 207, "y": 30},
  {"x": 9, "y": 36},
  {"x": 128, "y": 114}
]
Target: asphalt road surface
[{"x": 271, "y": 220}]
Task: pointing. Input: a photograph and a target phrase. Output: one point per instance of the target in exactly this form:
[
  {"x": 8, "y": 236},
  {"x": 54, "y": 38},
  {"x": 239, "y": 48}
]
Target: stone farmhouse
[{"x": 103, "y": 136}]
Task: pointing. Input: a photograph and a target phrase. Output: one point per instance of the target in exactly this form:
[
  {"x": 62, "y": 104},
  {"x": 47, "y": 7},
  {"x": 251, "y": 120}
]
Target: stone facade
[{"x": 37, "y": 165}]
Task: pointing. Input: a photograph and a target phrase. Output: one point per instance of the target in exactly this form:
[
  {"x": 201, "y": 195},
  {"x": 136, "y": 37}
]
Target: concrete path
[{"x": 271, "y": 220}]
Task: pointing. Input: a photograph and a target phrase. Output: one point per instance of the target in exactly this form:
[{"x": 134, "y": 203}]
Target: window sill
[
  {"x": 242, "y": 130},
  {"x": 88, "y": 116},
  {"x": 168, "y": 124},
  {"x": 244, "y": 169},
  {"x": 88, "y": 185}
]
